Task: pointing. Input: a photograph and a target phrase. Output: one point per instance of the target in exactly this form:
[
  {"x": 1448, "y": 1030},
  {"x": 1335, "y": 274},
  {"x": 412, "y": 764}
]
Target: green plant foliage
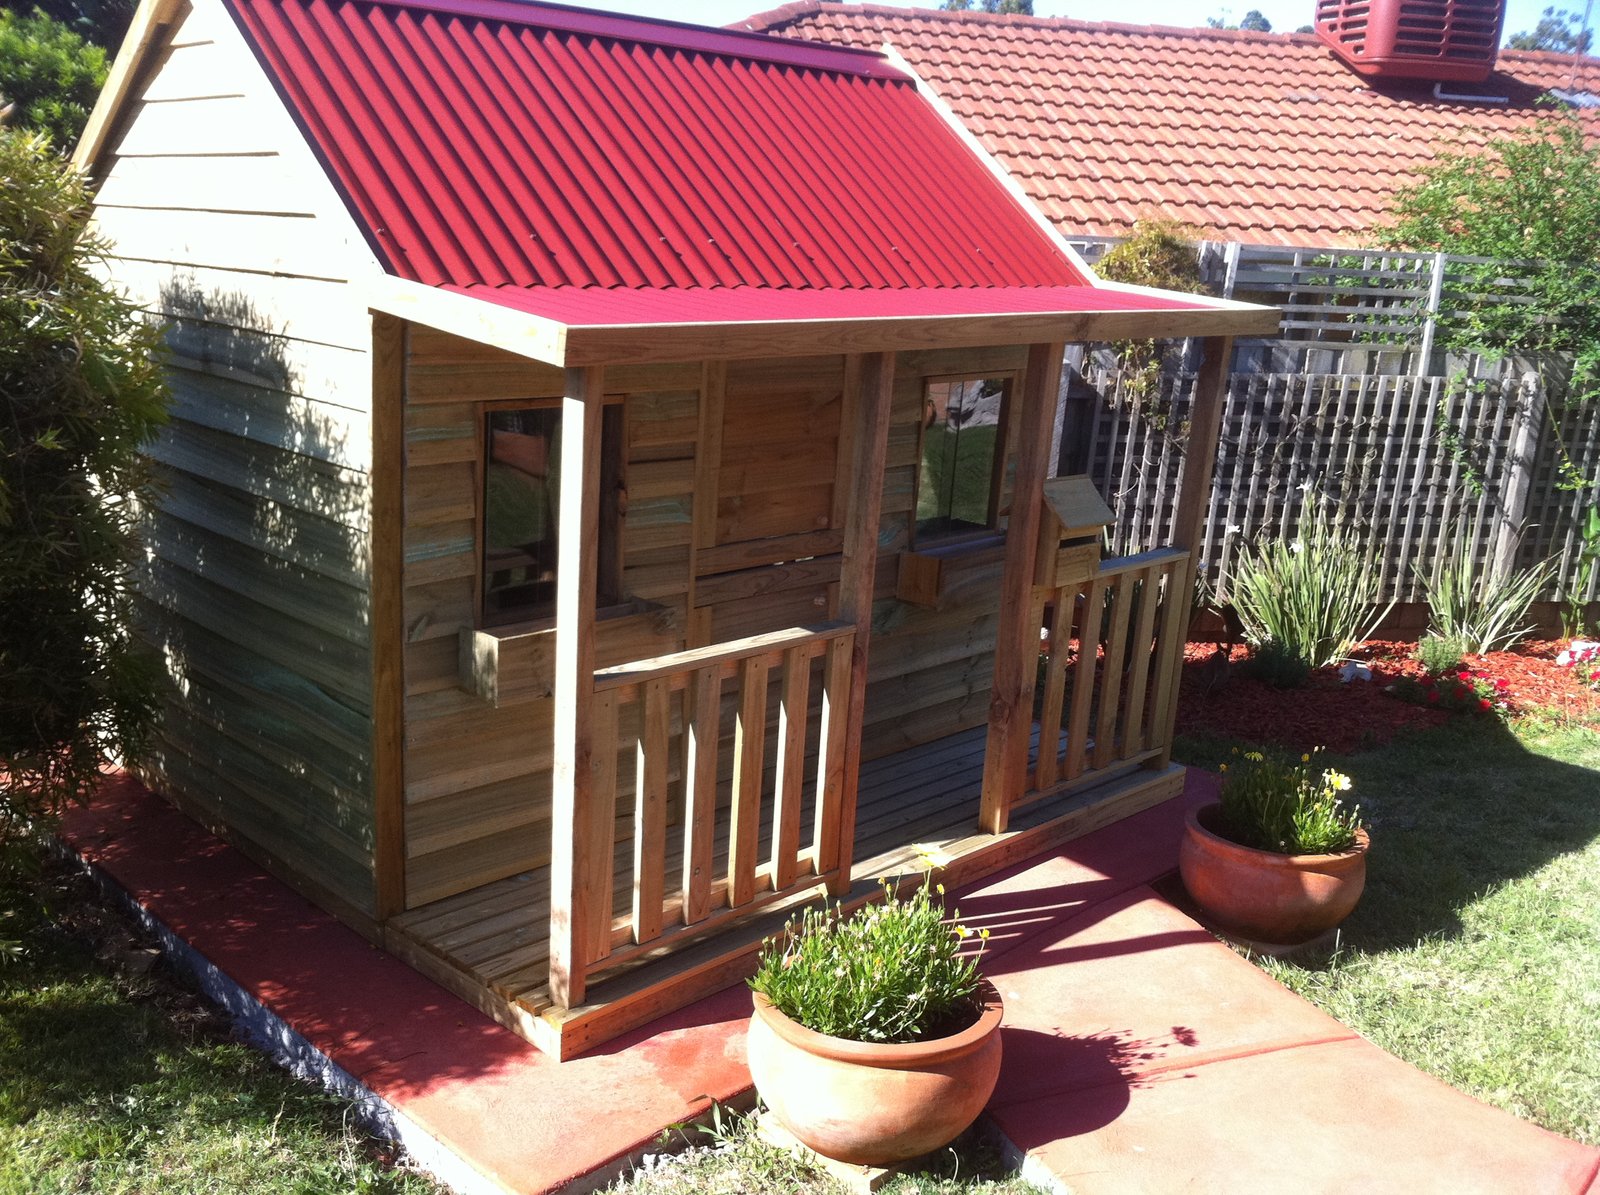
[
  {"x": 1273, "y": 803},
  {"x": 1277, "y": 664},
  {"x": 82, "y": 393},
  {"x": 1575, "y": 611},
  {"x": 894, "y": 972},
  {"x": 1158, "y": 253},
  {"x": 1485, "y": 612},
  {"x": 1531, "y": 198},
  {"x": 1439, "y": 654},
  {"x": 1020, "y": 7},
  {"x": 1558, "y": 31},
  {"x": 50, "y": 75},
  {"x": 1312, "y": 599}
]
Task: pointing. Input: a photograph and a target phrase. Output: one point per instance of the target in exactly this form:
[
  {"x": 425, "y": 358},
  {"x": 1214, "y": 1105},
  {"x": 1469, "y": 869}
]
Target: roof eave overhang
[{"x": 575, "y": 346}]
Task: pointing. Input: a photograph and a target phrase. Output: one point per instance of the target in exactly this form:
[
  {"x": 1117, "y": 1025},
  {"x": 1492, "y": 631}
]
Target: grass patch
[
  {"x": 1475, "y": 951},
  {"x": 731, "y": 1158},
  {"x": 117, "y": 1078}
]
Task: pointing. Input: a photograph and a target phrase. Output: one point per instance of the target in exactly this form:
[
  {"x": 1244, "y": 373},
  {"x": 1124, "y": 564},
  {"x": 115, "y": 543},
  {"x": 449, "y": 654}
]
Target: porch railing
[
  {"x": 1110, "y": 662},
  {"x": 748, "y": 849}
]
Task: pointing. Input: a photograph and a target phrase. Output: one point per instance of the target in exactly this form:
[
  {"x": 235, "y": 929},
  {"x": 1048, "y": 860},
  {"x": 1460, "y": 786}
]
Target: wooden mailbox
[{"x": 1075, "y": 516}]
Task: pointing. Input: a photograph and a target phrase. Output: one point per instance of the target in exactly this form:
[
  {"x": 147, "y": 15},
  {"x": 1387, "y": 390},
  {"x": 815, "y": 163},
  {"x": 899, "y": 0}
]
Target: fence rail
[
  {"x": 729, "y": 857},
  {"x": 1109, "y": 674}
]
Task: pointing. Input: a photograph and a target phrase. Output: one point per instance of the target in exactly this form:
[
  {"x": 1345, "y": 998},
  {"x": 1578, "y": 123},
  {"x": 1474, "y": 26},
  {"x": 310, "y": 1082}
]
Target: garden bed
[{"x": 1218, "y": 698}]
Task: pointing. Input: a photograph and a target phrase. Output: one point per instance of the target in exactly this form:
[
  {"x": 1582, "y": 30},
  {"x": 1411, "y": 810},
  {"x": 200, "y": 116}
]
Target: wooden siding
[{"x": 256, "y": 587}]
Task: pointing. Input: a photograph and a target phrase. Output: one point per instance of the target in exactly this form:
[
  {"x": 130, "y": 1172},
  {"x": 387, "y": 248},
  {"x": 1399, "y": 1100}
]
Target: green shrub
[
  {"x": 82, "y": 392},
  {"x": 1487, "y": 612},
  {"x": 894, "y": 972},
  {"x": 1309, "y": 601},
  {"x": 1439, "y": 654},
  {"x": 1271, "y": 803},
  {"x": 1158, "y": 253},
  {"x": 50, "y": 74}
]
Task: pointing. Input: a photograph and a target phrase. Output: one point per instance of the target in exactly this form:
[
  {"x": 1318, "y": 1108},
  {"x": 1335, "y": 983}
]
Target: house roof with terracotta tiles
[{"x": 1260, "y": 138}]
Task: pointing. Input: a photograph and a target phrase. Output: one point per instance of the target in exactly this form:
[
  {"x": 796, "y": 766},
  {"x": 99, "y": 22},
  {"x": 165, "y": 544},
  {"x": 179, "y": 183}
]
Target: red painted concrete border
[{"x": 1142, "y": 1055}]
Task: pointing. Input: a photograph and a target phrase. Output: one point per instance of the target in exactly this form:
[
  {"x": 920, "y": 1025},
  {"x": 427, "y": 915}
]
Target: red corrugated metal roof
[
  {"x": 1257, "y": 137},
  {"x": 580, "y": 307},
  {"x": 507, "y": 145}
]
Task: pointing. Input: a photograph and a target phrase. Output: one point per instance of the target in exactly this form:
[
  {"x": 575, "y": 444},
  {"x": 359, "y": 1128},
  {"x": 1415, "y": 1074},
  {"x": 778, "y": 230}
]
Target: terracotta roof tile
[{"x": 1256, "y": 137}]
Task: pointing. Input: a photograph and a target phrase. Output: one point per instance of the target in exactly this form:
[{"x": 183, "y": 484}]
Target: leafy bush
[
  {"x": 1439, "y": 654},
  {"x": 1488, "y": 612},
  {"x": 50, "y": 74},
  {"x": 1310, "y": 601},
  {"x": 1159, "y": 253},
  {"x": 82, "y": 393},
  {"x": 1277, "y": 665},
  {"x": 1271, "y": 803},
  {"x": 892, "y": 973}
]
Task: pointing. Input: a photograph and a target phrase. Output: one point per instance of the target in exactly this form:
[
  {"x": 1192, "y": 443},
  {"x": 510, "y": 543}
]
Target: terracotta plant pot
[
  {"x": 1266, "y": 897},
  {"x": 869, "y": 1103}
]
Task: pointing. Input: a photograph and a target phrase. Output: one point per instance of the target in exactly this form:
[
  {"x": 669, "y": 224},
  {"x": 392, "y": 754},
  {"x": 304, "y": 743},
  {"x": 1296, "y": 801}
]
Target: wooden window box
[{"x": 940, "y": 576}]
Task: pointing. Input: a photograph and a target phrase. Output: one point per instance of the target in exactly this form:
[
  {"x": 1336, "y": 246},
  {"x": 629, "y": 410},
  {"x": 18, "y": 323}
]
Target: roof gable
[
  {"x": 482, "y": 142},
  {"x": 1262, "y": 138}
]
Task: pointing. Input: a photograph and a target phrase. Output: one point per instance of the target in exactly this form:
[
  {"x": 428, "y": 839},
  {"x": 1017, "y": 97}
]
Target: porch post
[
  {"x": 1189, "y": 516},
  {"x": 572, "y": 845},
  {"x": 1016, "y": 653},
  {"x": 868, "y": 401}
]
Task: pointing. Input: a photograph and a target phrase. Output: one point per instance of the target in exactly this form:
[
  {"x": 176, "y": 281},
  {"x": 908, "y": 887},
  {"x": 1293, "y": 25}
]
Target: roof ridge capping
[
  {"x": 655, "y": 31},
  {"x": 800, "y": 10}
]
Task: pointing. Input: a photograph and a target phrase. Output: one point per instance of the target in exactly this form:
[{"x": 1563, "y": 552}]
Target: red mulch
[{"x": 1326, "y": 712}]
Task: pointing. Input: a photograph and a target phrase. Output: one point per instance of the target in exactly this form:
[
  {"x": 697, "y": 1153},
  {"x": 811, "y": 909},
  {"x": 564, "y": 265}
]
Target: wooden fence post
[
  {"x": 868, "y": 409},
  {"x": 1005, "y": 761},
  {"x": 1516, "y": 489},
  {"x": 572, "y": 852}
]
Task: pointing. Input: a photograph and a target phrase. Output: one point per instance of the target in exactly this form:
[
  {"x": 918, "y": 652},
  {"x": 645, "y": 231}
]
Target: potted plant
[
  {"x": 874, "y": 1038},
  {"x": 1279, "y": 859}
]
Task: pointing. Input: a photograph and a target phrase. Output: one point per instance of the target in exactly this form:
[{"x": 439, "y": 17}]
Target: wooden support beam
[
  {"x": 1005, "y": 764},
  {"x": 572, "y": 851},
  {"x": 1188, "y": 525},
  {"x": 1200, "y": 455},
  {"x": 386, "y": 629},
  {"x": 868, "y": 402}
]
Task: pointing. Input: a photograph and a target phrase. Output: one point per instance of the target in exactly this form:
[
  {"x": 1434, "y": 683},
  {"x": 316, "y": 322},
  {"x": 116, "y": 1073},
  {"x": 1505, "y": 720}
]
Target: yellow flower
[
  {"x": 1305, "y": 759},
  {"x": 1340, "y": 782},
  {"x": 1224, "y": 767}
]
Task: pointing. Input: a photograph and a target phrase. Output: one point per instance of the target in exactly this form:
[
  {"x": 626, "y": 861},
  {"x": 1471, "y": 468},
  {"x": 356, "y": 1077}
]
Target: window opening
[{"x": 958, "y": 479}]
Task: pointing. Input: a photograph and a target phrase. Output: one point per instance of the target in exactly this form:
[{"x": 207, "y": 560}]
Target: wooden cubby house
[{"x": 608, "y": 497}]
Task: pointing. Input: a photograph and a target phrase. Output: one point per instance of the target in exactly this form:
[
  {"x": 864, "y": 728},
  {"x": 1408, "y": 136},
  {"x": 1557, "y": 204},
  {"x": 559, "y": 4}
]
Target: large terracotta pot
[
  {"x": 1266, "y": 897},
  {"x": 869, "y": 1103}
]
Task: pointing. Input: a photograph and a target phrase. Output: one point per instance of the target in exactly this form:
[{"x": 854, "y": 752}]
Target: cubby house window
[
  {"x": 963, "y": 446},
  {"x": 521, "y": 512}
]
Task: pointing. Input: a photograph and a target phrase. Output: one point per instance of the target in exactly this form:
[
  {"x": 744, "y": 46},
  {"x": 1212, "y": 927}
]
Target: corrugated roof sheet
[
  {"x": 506, "y": 145},
  {"x": 1261, "y": 138}
]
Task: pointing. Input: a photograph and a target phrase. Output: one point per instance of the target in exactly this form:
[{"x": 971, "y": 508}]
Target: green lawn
[
  {"x": 115, "y": 1081},
  {"x": 1475, "y": 952}
]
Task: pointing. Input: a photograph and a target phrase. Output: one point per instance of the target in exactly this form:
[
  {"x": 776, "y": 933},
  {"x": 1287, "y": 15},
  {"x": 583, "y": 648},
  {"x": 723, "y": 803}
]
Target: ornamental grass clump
[
  {"x": 894, "y": 972},
  {"x": 1488, "y": 611},
  {"x": 1308, "y": 602},
  {"x": 1271, "y": 803}
]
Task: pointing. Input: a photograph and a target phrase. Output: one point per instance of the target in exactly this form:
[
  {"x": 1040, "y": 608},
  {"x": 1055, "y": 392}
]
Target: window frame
[
  {"x": 609, "y": 596},
  {"x": 992, "y": 531}
]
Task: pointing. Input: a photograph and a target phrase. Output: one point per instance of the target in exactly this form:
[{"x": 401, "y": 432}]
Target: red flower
[
  {"x": 1502, "y": 685},
  {"x": 1483, "y": 703}
]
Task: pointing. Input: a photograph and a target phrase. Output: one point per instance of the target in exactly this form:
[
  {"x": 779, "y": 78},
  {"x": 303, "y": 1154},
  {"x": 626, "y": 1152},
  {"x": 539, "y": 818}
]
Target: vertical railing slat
[
  {"x": 650, "y": 811},
  {"x": 700, "y": 791},
  {"x": 749, "y": 746},
  {"x": 835, "y": 725},
  {"x": 1048, "y": 766},
  {"x": 599, "y": 823},
  {"x": 796, "y": 694},
  {"x": 1144, "y": 659},
  {"x": 1105, "y": 727},
  {"x": 1089, "y": 617}
]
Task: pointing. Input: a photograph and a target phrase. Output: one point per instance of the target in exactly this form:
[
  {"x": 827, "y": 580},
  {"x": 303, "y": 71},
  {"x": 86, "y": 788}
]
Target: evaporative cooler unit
[{"x": 1452, "y": 41}]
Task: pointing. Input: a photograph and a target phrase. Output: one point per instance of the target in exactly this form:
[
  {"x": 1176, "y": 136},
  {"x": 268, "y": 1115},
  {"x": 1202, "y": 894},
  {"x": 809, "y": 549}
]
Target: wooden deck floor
[{"x": 490, "y": 945}]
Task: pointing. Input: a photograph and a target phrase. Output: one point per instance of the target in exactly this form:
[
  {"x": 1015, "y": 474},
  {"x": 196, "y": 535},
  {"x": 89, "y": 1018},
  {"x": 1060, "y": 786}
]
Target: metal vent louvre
[{"x": 1441, "y": 40}]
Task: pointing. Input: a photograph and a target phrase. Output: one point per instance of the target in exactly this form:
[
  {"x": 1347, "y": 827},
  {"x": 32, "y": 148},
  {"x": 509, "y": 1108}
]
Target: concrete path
[{"x": 1141, "y": 1054}]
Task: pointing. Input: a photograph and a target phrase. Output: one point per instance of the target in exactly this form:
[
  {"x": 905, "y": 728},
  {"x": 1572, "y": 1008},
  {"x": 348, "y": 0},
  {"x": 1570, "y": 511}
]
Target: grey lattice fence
[{"x": 1428, "y": 466}]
